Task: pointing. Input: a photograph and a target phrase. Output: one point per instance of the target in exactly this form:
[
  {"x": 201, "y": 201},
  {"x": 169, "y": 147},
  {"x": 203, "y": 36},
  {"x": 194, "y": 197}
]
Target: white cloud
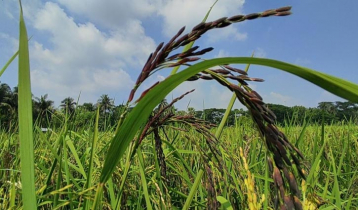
[
  {"x": 85, "y": 44},
  {"x": 111, "y": 13},
  {"x": 111, "y": 79},
  {"x": 179, "y": 13},
  {"x": 82, "y": 58}
]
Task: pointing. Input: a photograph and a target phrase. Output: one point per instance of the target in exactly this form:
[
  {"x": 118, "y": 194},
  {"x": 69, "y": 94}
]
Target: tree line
[
  {"x": 327, "y": 112},
  {"x": 45, "y": 115}
]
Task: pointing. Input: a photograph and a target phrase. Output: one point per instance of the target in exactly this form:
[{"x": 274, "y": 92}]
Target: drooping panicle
[{"x": 159, "y": 58}]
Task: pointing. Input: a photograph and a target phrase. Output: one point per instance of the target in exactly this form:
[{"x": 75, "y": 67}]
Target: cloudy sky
[{"x": 87, "y": 48}]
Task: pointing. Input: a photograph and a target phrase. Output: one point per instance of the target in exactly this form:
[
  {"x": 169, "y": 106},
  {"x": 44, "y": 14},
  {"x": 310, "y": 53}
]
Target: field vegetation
[
  {"x": 330, "y": 153},
  {"x": 145, "y": 154}
]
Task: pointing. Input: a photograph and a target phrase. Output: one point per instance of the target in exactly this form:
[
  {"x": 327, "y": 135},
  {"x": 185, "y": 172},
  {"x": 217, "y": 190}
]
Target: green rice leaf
[
  {"x": 143, "y": 179},
  {"x": 25, "y": 121},
  {"x": 93, "y": 151},
  {"x": 193, "y": 189},
  {"x": 75, "y": 155}
]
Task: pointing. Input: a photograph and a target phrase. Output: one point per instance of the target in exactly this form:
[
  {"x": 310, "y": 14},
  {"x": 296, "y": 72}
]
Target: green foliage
[{"x": 183, "y": 162}]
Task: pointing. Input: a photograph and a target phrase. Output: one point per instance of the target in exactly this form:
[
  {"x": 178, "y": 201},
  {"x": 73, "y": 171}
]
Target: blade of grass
[
  {"x": 58, "y": 181},
  {"x": 97, "y": 203},
  {"x": 315, "y": 165},
  {"x": 93, "y": 151},
  {"x": 143, "y": 179},
  {"x": 176, "y": 153},
  {"x": 124, "y": 177},
  {"x": 58, "y": 145},
  {"x": 224, "y": 203},
  {"x": 341, "y": 159},
  {"x": 185, "y": 196},
  {"x": 67, "y": 171},
  {"x": 335, "y": 190},
  {"x": 193, "y": 190},
  {"x": 8, "y": 63},
  {"x": 112, "y": 197},
  {"x": 302, "y": 133},
  {"x": 75, "y": 155},
  {"x": 158, "y": 177},
  {"x": 325, "y": 188},
  {"x": 25, "y": 120},
  {"x": 12, "y": 192}
]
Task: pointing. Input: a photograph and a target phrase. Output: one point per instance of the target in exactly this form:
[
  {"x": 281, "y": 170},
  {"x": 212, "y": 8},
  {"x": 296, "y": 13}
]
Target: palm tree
[
  {"x": 43, "y": 109},
  {"x": 5, "y": 90},
  {"x": 68, "y": 105},
  {"x": 106, "y": 104},
  {"x": 8, "y": 105}
]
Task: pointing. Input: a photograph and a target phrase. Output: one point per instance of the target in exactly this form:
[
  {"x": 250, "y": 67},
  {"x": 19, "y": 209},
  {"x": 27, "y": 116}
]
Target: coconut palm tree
[
  {"x": 43, "y": 109},
  {"x": 106, "y": 104},
  {"x": 5, "y": 90},
  {"x": 68, "y": 105},
  {"x": 8, "y": 105}
]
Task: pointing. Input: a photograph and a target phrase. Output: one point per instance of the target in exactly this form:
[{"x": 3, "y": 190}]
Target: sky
[{"x": 83, "y": 49}]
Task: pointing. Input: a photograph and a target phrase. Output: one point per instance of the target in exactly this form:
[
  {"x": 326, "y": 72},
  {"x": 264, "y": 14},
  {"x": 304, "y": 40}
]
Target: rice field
[
  {"x": 62, "y": 163},
  {"x": 155, "y": 159}
]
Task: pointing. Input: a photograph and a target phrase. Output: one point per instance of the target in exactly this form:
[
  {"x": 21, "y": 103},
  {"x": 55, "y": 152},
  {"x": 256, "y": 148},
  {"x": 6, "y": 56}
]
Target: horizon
[{"x": 186, "y": 108}]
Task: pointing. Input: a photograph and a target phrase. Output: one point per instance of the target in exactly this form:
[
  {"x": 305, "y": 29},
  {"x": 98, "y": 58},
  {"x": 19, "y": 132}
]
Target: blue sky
[{"x": 89, "y": 48}]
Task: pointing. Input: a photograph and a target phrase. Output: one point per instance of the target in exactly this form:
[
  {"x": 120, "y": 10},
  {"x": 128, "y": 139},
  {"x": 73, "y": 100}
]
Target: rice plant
[{"x": 157, "y": 159}]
